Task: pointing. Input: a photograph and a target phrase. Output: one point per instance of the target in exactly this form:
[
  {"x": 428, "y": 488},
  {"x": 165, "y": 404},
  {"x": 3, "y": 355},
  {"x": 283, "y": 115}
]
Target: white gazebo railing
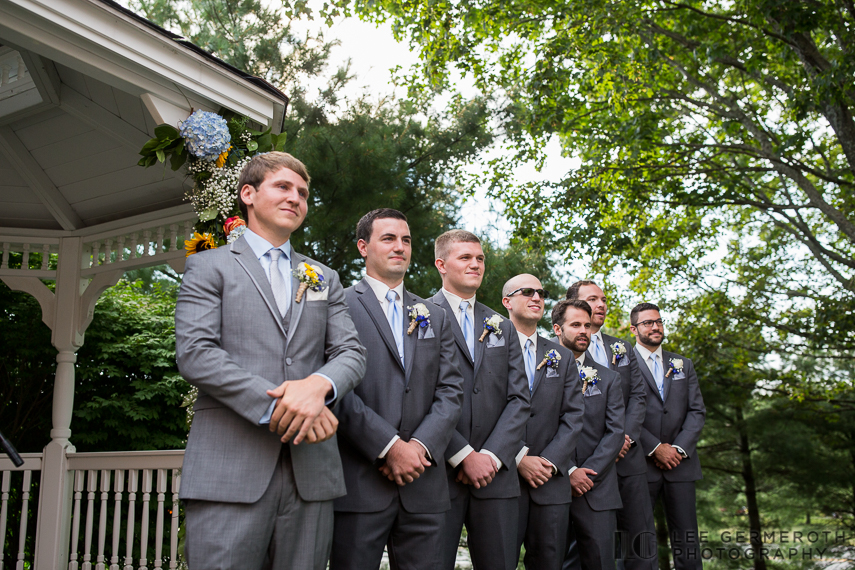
[{"x": 128, "y": 497}]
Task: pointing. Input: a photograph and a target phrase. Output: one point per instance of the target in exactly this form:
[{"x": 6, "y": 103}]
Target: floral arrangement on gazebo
[{"x": 215, "y": 147}]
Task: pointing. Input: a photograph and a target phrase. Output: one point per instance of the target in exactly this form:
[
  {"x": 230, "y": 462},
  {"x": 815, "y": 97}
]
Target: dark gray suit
[
  {"x": 233, "y": 345},
  {"x": 635, "y": 520},
  {"x": 593, "y": 523},
  {"x": 677, "y": 420},
  {"x": 495, "y": 410},
  {"x": 553, "y": 428},
  {"x": 418, "y": 401}
]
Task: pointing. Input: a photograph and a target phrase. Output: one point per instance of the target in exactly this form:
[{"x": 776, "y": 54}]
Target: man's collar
[
  {"x": 454, "y": 300},
  {"x": 581, "y": 359},
  {"x": 645, "y": 353},
  {"x": 523, "y": 338},
  {"x": 380, "y": 289},
  {"x": 261, "y": 246}
]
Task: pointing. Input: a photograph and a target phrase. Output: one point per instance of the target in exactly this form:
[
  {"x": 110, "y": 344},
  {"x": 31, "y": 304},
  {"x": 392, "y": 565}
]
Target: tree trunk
[{"x": 750, "y": 492}]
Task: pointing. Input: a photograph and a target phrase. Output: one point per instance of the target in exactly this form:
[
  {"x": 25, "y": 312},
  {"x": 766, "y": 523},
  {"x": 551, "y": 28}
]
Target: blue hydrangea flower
[{"x": 206, "y": 135}]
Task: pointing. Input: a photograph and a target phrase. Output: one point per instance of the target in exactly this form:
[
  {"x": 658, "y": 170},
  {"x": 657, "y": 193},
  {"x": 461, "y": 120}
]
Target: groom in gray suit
[
  {"x": 669, "y": 436},
  {"x": 551, "y": 433},
  {"x": 483, "y": 453},
  {"x": 593, "y": 476},
  {"x": 396, "y": 425},
  {"x": 635, "y": 524},
  {"x": 262, "y": 466}
]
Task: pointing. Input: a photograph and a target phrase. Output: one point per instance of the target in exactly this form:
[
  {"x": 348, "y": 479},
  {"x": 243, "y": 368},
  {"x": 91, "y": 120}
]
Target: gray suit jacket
[
  {"x": 677, "y": 420},
  {"x": 495, "y": 401},
  {"x": 232, "y": 344},
  {"x": 555, "y": 422},
  {"x": 602, "y": 437},
  {"x": 418, "y": 401},
  {"x": 634, "y": 401}
]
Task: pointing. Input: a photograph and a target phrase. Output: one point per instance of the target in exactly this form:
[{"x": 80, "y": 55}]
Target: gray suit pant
[
  {"x": 413, "y": 539},
  {"x": 279, "y": 531},
  {"x": 491, "y": 527},
  {"x": 636, "y": 528},
  {"x": 590, "y": 538},
  {"x": 678, "y": 498},
  {"x": 543, "y": 530}
]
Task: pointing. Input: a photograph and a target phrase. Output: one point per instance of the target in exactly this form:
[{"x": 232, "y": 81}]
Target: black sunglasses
[{"x": 529, "y": 292}]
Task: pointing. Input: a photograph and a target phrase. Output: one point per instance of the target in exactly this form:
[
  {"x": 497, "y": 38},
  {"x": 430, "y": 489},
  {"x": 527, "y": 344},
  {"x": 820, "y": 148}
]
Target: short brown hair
[
  {"x": 573, "y": 290},
  {"x": 633, "y": 315},
  {"x": 366, "y": 223},
  {"x": 560, "y": 309},
  {"x": 442, "y": 245},
  {"x": 263, "y": 164}
]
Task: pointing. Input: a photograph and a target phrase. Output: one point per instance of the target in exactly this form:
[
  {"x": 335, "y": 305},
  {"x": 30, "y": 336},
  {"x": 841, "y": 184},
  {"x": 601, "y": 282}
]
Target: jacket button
[
  {"x": 532, "y": 415},
  {"x": 666, "y": 411},
  {"x": 288, "y": 361},
  {"x": 476, "y": 390},
  {"x": 407, "y": 390}
]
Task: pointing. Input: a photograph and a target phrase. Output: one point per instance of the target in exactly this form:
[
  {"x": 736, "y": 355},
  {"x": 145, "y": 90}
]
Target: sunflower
[
  {"x": 199, "y": 242},
  {"x": 221, "y": 160}
]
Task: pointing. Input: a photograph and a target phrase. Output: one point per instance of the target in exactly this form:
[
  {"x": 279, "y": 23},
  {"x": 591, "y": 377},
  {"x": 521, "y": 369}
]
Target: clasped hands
[
  {"x": 627, "y": 443},
  {"x": 535, "y": 470},
  {"x": 300, "y": 412},
  {"x": 477, "y": 469},
  {"x": 666, "y": 457},
  {"x": 405, "y": 461}
]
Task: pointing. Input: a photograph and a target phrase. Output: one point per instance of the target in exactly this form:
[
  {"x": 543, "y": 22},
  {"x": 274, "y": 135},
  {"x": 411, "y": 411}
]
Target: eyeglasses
[
  {"x": 648, "y": 324},
  {"x": 529, "y": 292}
]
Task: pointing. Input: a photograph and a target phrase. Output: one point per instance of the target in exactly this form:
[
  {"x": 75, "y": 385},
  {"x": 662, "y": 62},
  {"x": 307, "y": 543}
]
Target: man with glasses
[
  {"x": 481, "y": 457},
  {"x": 635, "y": 518},
  {"x": 554, "y": 425},
  {"x": 671, "y": 429}
]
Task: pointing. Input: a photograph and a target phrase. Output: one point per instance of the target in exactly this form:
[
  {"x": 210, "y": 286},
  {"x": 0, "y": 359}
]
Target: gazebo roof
[{"x": 83, "y": 85}]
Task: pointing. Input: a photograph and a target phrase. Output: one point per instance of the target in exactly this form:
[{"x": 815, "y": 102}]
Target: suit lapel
[
  {"x": 666, "y": 383},
  {"x": 541, "y": 346},
  {"x": 440, "y": 300},
  {"x": 410, "y": 343},
  {"x": 478, "y": 328},
  {"x": 246, "y": 258},
  {"x": 295, "y": 308},
  {"x": 645, "y": 371},
  {"x": 375, "y": 311},
  {"x": 610, "y": 355}
]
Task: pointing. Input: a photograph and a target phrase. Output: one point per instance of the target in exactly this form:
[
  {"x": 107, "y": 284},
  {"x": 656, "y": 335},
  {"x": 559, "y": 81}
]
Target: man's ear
[
  {"x": 506, "y": 303},
  {"x": 362, "y": 246},
  {"x": 440, "y": 266},
  {"x": 557, "y": 330}
]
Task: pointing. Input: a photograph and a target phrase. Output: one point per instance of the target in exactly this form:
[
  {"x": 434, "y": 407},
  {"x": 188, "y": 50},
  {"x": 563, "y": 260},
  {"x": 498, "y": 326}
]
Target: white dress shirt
[
  {"x": 380, "y": 289},
  {"x": 648, "y": 360},
  {"x": 454, "y": 302},
  {"x": 533, "y": 338},
  {"x": 260, "y": 247}
]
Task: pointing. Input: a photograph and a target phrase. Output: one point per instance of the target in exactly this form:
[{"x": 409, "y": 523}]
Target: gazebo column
[{"x": 67, "y": 311}]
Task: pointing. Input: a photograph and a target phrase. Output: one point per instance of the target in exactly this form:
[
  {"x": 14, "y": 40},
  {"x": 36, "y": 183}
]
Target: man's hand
[
  {"x": 580, "y": 482},
  {"x": 323, "y": 428},
  {"x": 666, "y": 457},
  {"x": 624, "y": 449},
  {"x": 536, "y": 470},
  {"x": 300, "y": 403},
  {"x": 405, "y": 461},
  {"x": 477, "y": 469}
]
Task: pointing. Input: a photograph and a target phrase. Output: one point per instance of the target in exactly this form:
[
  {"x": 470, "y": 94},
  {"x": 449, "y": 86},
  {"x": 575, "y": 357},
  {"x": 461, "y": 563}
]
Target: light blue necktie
[
  {"x": 281, "y": 286},
  {"x": 600, "y": 352},
  {"x": 395, "y": 322},
  {"x": 529, "y": 363},
  {"x": 466, "y": 326},
  {"x": 657, "y": 373}
]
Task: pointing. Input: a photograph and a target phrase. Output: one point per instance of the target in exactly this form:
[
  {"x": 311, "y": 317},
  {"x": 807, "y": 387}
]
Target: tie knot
[
  {"x": 464, "y": 305},
  {"x": 528, "y": 344},
  {"x": 274, "y": 254},
  {"x": 392, "y": 296}
]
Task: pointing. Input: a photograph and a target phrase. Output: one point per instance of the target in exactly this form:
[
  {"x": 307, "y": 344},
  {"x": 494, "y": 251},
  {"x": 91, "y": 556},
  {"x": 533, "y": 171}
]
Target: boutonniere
[
  {"x": 588, "y": 375},
  {"x": 310, "y": 277},
  {"x": 618, "y": 352},
  {"x": 419, "y": 317},
  {"x": 491, "y": 325},
  {"x": 675, "y": 366},
  {"x": 550, "y": 359}
]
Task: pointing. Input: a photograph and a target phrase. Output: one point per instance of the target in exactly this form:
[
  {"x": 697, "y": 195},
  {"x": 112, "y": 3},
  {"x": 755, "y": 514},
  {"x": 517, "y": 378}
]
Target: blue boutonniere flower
[
  {"x": 419, "y": 317},
  {"x": 491, "y": 325},
  {"x": 589, "y": 376},
  {"x": 675, "y": 366},
  {"x": 310, "y": 277},
  {"x": 550, "y": 360},
  {"x": 618, "y": 351}
]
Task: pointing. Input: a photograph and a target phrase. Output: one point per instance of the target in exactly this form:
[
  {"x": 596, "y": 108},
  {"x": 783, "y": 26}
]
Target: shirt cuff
[
  {"x": 427, "y": 451},
  {"x": 554, "y": 468},
  {"x": 572, "y": 469},
  {"x": 460, "y": 456},
  {"x": 265, "y": 419},
  {"x": 388, "y": 447},
  {"x": 680, "y": 449},
  {"x": 654, "y": 449},
  {"x": 523, "y": 452},
  {"x": 496, "y": 459}
]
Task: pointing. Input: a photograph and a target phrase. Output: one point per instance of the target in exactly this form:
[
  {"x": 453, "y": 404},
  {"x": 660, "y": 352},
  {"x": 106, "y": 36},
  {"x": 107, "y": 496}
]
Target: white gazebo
[{"x": 83, "y": 83}]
